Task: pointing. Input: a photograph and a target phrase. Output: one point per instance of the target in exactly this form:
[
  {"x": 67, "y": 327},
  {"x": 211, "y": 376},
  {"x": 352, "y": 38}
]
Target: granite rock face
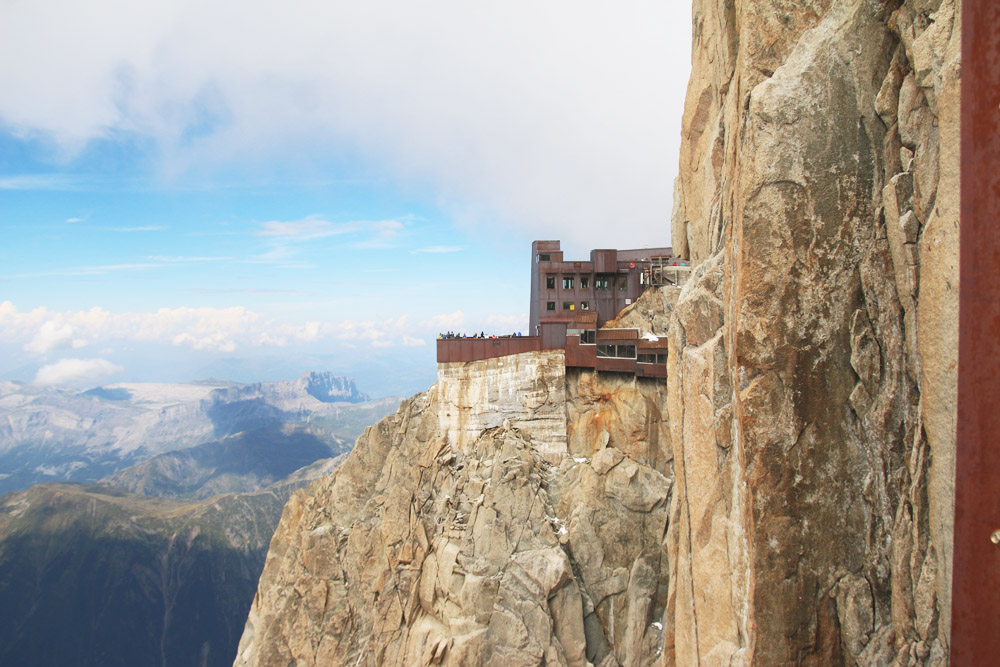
[
  {"x": 813, "y": 352},
  {"x": 529, "y": 390},
  {"x": 436, "y": 545}
]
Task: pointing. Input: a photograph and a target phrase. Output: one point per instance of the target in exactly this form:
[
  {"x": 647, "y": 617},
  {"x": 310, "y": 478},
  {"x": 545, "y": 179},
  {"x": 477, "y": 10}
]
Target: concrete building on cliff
[
  {"x": 609, "y": 281},
  {"x": 570, "y": 302}
]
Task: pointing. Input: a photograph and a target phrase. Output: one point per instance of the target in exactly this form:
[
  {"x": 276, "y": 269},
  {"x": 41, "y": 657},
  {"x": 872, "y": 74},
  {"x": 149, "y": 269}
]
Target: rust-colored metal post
[{"x": 975, "y": 626}]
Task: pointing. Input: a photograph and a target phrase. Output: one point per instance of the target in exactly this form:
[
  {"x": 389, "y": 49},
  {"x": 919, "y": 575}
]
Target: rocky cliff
[
  {"x": 514, "y": 542},
  {"x": 803, "y": 441},
  {"x": 813, "y": 354}
]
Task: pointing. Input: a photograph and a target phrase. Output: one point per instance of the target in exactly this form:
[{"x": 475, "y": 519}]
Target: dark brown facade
[{"x": 604, "y": 284}]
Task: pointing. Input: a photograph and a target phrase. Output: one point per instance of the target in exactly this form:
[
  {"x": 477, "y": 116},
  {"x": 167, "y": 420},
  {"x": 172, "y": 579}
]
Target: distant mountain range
[
  {"x": 158, "y": 563},
  {"x": 240, "y": 463},
  {"x": 56, "y": 434}
]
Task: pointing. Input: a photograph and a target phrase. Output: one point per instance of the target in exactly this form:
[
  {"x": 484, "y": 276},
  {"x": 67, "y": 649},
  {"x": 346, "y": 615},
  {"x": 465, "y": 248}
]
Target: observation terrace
[{"x": 591, "y": 293}]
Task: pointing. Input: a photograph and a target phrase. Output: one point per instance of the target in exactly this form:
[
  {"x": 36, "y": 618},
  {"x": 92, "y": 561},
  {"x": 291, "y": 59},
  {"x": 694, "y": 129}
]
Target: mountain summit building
[
  {"x": 570, "y": 303},
  {"x": 609, "y": 281}
]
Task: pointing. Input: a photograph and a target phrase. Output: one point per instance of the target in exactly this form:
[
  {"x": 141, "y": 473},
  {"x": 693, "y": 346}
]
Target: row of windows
[
  {"x": 568, "y": 305},
  {"x": 653, "y": 358},
  {"x": 600, "y": 282},
  {"x": 567, "y": 282},
  {"x": 616, "y": 351}
]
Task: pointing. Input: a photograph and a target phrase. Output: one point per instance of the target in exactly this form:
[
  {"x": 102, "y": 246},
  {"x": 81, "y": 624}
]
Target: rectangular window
[
  {"x": 601, "y": 283},
  {"x": 544, "y": 257},
  {"x": 550, "y": 281},
  {"x": 616, "y": 351},
  {"x": 652, "y": 358},
  {"x": 588, "y": 337},
  {"x": 585, "y": 282},
  {"x": 567, "y": 282},
  {"x": 567, "y": 305},
  {"x": 622, "y": 283},
  {"x": 661, "y": 358},
  {"x": 551, "y": 305},
  {"x": 584, "y": 305}
]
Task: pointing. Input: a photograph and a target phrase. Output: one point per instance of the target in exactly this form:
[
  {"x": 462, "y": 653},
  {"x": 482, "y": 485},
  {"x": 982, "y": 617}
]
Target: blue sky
[{"x": 186, "y": 192}]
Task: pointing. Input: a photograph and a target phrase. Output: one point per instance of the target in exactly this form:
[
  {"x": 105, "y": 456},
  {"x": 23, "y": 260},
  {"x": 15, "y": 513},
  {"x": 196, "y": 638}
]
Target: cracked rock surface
[
  {"x": 483, "y": 547},
  {"x": 813, "y": 352}
]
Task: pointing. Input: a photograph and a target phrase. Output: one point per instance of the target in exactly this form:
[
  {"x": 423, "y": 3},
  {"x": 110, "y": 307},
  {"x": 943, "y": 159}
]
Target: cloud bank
[
  {"x": 558, "y": 116},
  {"x": 42, "y": 332},
  {"x": 75, "y": 371}
]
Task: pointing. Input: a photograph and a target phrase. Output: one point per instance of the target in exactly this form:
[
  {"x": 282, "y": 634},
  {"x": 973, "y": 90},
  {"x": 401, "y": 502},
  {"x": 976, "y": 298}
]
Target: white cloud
[
  {"x": 384, "y": 233},
  {"x": 51, "y": 335},
  {"x": 561, "y": 116},
  {"x": 217, "y": 341},
  {"x": 75, "y": 371},
  {"x": 73, "y": 220},
  {"x": 41, "y": 331},
  {"x": 445, "y": 322},
  {"x": 503, "y": 323},
  {"x": 303, "y": 230}
]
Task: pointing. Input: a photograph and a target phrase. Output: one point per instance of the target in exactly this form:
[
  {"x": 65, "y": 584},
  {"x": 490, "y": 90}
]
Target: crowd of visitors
[{"x": 482, "y": 334}]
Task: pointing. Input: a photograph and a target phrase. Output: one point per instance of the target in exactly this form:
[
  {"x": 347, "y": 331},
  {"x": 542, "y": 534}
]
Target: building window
[
  {"x": 550, "y": 282},
  {"x": 622, "y": 283},
  {"x": 568, "y": 305},
  {"x": 551, "y": 305},
  {"x": 652, "y": 358},
  {"x": 567, "y": 282},
  {"x": 602, "y": 283},
  {"x": 588, "y": 337},
  {"x": 544, "y": 257},
  {"x": 585, "y": 282},
  {"x": 584, "y": 305},
  {"x": 616, "y": 351}
]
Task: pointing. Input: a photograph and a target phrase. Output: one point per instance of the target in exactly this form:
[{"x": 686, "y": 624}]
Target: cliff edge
[{"x": 473, "y": 527}]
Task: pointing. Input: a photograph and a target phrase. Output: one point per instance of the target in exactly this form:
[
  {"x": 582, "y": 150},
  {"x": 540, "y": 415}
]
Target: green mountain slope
[{"x": 90, "y": 575}]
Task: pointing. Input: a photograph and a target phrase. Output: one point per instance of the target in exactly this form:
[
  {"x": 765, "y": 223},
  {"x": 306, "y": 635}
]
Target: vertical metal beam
[{"x": 975, "y": 627}]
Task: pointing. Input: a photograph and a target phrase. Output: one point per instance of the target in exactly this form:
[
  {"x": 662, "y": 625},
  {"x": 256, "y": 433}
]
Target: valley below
[{"x": 152, "y": 556}]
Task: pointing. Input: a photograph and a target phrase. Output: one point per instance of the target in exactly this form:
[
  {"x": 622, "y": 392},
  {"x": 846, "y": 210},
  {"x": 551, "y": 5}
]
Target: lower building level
[{"x": 614, "y": 350}]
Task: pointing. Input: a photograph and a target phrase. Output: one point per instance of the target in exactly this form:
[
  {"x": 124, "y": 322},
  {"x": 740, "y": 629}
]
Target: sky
[{"x": 190, "y": 192}]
